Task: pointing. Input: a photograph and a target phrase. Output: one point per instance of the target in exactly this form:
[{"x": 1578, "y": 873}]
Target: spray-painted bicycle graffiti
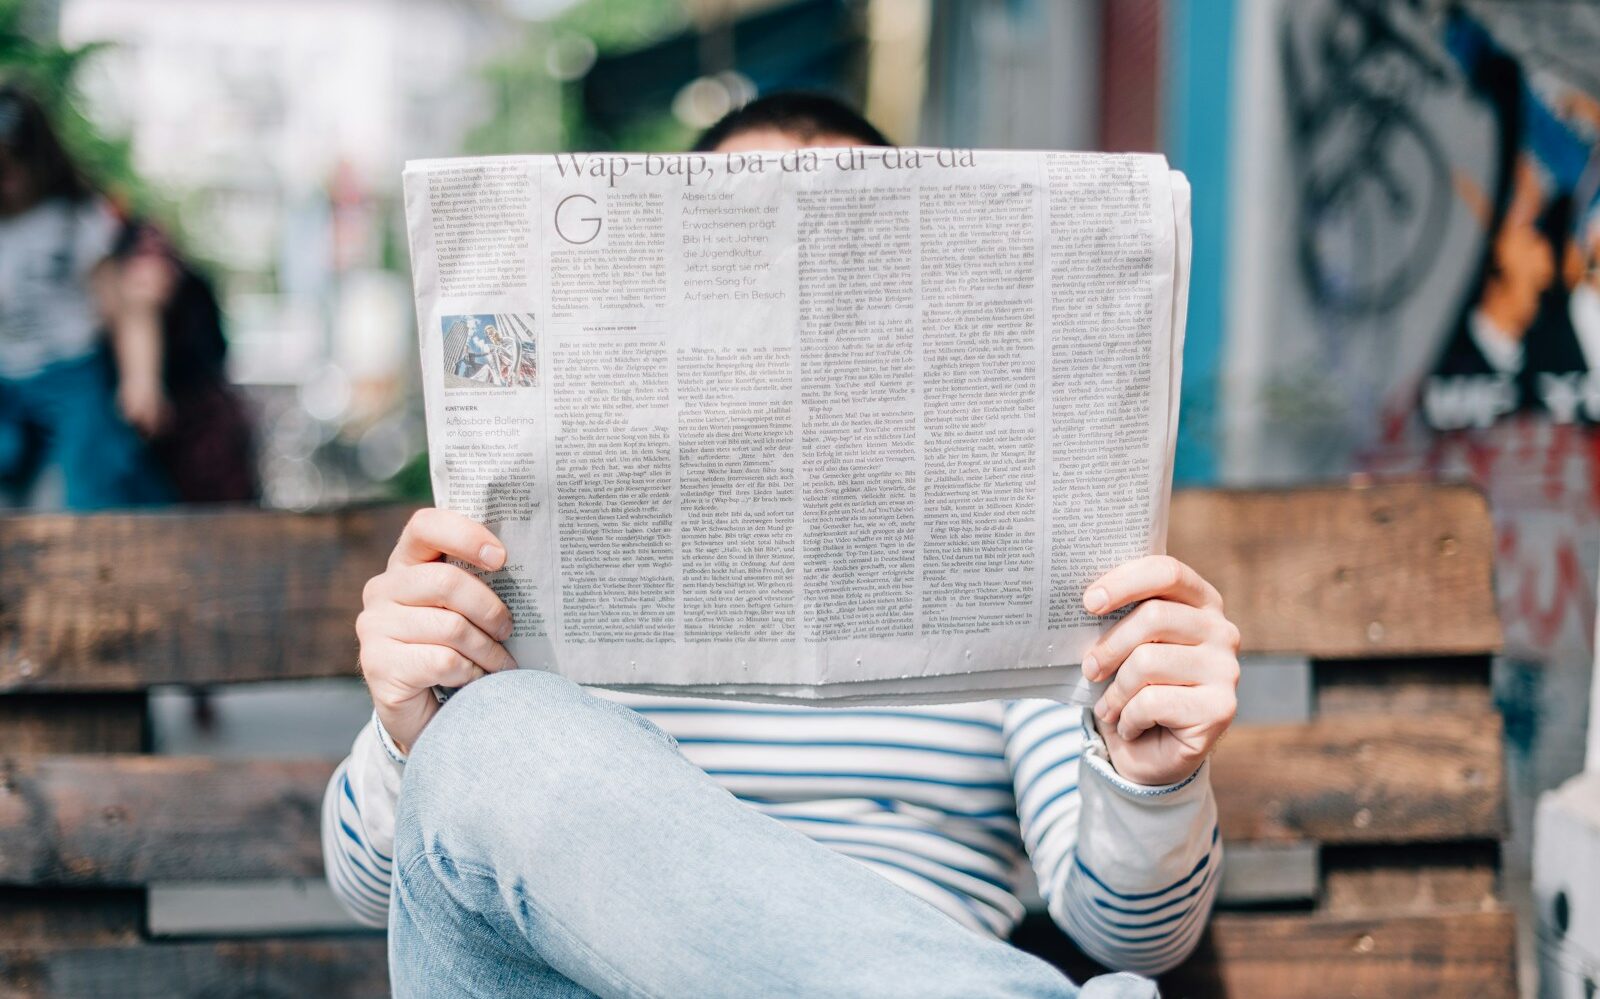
[
  {"x": 1377, "y": 190},
  {"x": 1374, "y": 180}
]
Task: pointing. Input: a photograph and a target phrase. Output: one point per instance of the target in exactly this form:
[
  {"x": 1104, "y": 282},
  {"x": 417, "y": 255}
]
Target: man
[{"x": 532, "y": 838}]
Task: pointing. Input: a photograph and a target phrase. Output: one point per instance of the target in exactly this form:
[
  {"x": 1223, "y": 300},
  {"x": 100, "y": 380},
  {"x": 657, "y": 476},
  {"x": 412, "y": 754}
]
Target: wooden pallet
[{"x": 1394, "y": 784}]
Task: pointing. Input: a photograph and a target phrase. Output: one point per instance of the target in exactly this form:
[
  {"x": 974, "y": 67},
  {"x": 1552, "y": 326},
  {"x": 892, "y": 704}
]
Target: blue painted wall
[{"x": 1197, "y": 123}]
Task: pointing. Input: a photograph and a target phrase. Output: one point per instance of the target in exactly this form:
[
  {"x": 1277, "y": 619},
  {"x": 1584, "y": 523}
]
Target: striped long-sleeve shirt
[{"x": 962, "y": 805}]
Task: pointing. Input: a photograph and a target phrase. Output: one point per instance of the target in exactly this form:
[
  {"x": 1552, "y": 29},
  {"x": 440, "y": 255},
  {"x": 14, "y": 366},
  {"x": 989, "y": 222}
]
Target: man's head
[{"x": 789, "y": 120}]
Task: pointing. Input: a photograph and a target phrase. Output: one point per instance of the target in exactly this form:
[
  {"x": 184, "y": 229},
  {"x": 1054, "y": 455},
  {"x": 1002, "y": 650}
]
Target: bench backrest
[{"x": 1385, "y": 784}]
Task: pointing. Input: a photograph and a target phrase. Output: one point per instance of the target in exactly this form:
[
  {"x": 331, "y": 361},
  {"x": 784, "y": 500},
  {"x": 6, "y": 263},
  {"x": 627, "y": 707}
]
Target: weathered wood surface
[
  {"x": 351, "y": 967},
  {"x": 1421, "y": 878},
  {"x": 1340, "y": 573},
  {"x": 1373, "y": 779},
  {"x": 73, "y": 723},
  {"x": 34, "y": 916},
  {"x": 1442, "y": 957},
  {"x": 121, "y": 601},
  {"x": 1310, "y": 957},
  {"x": 124, "y": 600},
  {"x": 129, "y": 820},
  {"x": 1452, "y": 685}
]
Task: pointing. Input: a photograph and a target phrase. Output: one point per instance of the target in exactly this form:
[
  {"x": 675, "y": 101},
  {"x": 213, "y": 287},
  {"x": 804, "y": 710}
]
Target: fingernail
[
  {"x": 491, "y": 556},
  {"x": 506, "y": 630},
  {"x": 1100, "y": 710},
  {"x": 1095, "y": 600},
  {"x": 1091, "y": 668}
]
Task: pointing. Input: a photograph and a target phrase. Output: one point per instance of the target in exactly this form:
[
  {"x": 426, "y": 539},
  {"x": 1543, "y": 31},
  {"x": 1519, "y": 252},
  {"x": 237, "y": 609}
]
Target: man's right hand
[{"x": 426, "y": 623}]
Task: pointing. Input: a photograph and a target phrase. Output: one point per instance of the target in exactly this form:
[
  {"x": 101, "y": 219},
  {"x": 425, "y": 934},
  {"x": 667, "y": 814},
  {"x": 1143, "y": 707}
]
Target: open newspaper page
[{"x": 836, "y": 425}]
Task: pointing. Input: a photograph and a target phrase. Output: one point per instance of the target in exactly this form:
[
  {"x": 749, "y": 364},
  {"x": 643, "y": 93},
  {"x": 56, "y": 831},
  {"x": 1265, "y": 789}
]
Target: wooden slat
[
  {"x": 1439, "y": 957},
  {"x": 1390, "y": 880},
  {"x": 80, "y": 723},
  {"x": 100, "y": 916},
  {"x": 1454, "y": 685},
  {"x": 121, "y": 601},
  {"x": 340, "y": 968},
  {"x": 1339, "y": 573},
  {"x": 1363, "y": 779},
  {"x": 130, "y": 820},
  {"x": 1311, "y": 957},
  {"x": 75, "y": 723}
]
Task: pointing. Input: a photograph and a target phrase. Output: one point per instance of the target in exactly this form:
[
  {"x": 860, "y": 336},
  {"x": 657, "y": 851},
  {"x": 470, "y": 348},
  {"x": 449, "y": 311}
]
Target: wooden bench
[{"x": 1390, "y": 788}]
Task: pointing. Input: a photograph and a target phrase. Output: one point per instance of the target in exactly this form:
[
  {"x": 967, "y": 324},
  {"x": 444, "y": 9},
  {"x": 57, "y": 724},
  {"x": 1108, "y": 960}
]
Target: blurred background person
[
  {"x": 65, "y": 407},
  {"x": 200, "y": 430}
]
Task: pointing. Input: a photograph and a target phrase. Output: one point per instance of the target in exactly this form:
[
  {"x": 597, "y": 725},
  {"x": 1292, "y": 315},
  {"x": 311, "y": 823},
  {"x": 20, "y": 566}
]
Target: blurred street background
[{"x": 1397, "y": 231}]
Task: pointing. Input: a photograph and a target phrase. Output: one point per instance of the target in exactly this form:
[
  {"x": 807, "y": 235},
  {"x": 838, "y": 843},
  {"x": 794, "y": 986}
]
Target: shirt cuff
[
  {"x": 1099, "y": 760},
  {"x": 384, "y": 740}
]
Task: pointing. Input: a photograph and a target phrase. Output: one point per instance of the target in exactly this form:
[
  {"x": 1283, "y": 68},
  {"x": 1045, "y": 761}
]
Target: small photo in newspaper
[{"x": 490, "y": 351}]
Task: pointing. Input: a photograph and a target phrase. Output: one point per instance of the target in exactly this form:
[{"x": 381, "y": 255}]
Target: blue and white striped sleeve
[
  {"x": 358, "y": 825},
  {"x": 1128, "y": 871}
]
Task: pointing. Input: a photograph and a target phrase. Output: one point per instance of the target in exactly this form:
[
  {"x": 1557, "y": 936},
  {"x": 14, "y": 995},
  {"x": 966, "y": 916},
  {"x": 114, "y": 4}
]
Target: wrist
[{"x": 395, "y": 749}]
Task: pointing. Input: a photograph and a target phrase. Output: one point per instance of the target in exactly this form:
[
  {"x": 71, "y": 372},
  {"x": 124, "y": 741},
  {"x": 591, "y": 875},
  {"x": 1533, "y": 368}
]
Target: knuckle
[
  {"x": 441, "y": 580},
  {"x": 417, "y": 522},
  {"x": 369, "y": 590},
  {"x": 1230, "y": 708},
  {"x": 1231, "y": 636},
  {"x": 1171, "y": 571},
  {"x": 457, "y": 629},
  {"x": 1159, "y": 615},
  {"x": 1133, "y": 664},
  {"x": 440, "y": 659}
]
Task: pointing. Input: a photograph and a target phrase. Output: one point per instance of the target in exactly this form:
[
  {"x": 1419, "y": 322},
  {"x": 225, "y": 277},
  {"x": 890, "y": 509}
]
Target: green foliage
[
  {"x": 620, "y": 25},
  {"x": 50, "y": 71},
  {"x": 412, "y": 482},
  {"x": 522, "y": 90}
]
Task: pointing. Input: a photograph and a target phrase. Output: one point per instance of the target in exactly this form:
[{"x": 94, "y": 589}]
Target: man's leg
[{"x": 544, "y": 832}]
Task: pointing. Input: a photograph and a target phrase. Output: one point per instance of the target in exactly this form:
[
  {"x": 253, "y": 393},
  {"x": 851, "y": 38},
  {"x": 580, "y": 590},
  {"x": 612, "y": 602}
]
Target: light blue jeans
[{"x": 553, "y": 844}]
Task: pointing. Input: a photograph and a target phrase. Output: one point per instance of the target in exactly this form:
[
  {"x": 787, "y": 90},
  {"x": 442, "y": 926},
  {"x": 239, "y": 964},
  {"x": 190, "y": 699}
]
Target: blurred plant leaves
[{"x": 50, "y": 71}]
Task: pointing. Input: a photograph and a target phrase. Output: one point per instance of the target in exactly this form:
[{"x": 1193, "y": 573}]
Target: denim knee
[{"x": 508, "y": 742}]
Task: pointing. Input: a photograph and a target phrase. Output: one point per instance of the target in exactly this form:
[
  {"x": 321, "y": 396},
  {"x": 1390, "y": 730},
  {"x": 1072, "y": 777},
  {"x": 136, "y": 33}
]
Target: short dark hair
[{"x": 799, "y": 113}]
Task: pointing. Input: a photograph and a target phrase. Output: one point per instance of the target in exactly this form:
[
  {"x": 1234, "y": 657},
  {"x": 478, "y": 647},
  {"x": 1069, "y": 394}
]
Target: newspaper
[{"x": 852, "y": 425}]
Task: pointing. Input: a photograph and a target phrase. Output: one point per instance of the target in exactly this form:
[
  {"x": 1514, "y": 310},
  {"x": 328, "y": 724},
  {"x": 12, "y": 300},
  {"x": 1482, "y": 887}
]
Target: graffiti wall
[
  {"x": 1430, "y": 301},
  {"x": 1442, "y": 194}
]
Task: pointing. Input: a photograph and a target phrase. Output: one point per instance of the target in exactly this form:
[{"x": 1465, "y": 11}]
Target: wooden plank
[
  {"x": 1340, "y": 573},
  {"x": 121, "y": 601},
  {"x": 1391, "y": 880},
  {"x": 350, "y": 967},
  {"x": 77, "y": 723},
  {"x": 84, "y": 723},
  {"x": 1453, "y": 685},
  {"x": 129, "y": 820},
  {"x": 118, "y": 601},
  {"x": 1312, "y": 957},
  {"x": 35, "y": 916},
  {"x": 1363, "y": 779}
]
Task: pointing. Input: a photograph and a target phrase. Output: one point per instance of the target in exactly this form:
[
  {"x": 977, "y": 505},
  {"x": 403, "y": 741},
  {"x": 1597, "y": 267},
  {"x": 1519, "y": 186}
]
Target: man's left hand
[{"x": 1173, "y": 663}]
